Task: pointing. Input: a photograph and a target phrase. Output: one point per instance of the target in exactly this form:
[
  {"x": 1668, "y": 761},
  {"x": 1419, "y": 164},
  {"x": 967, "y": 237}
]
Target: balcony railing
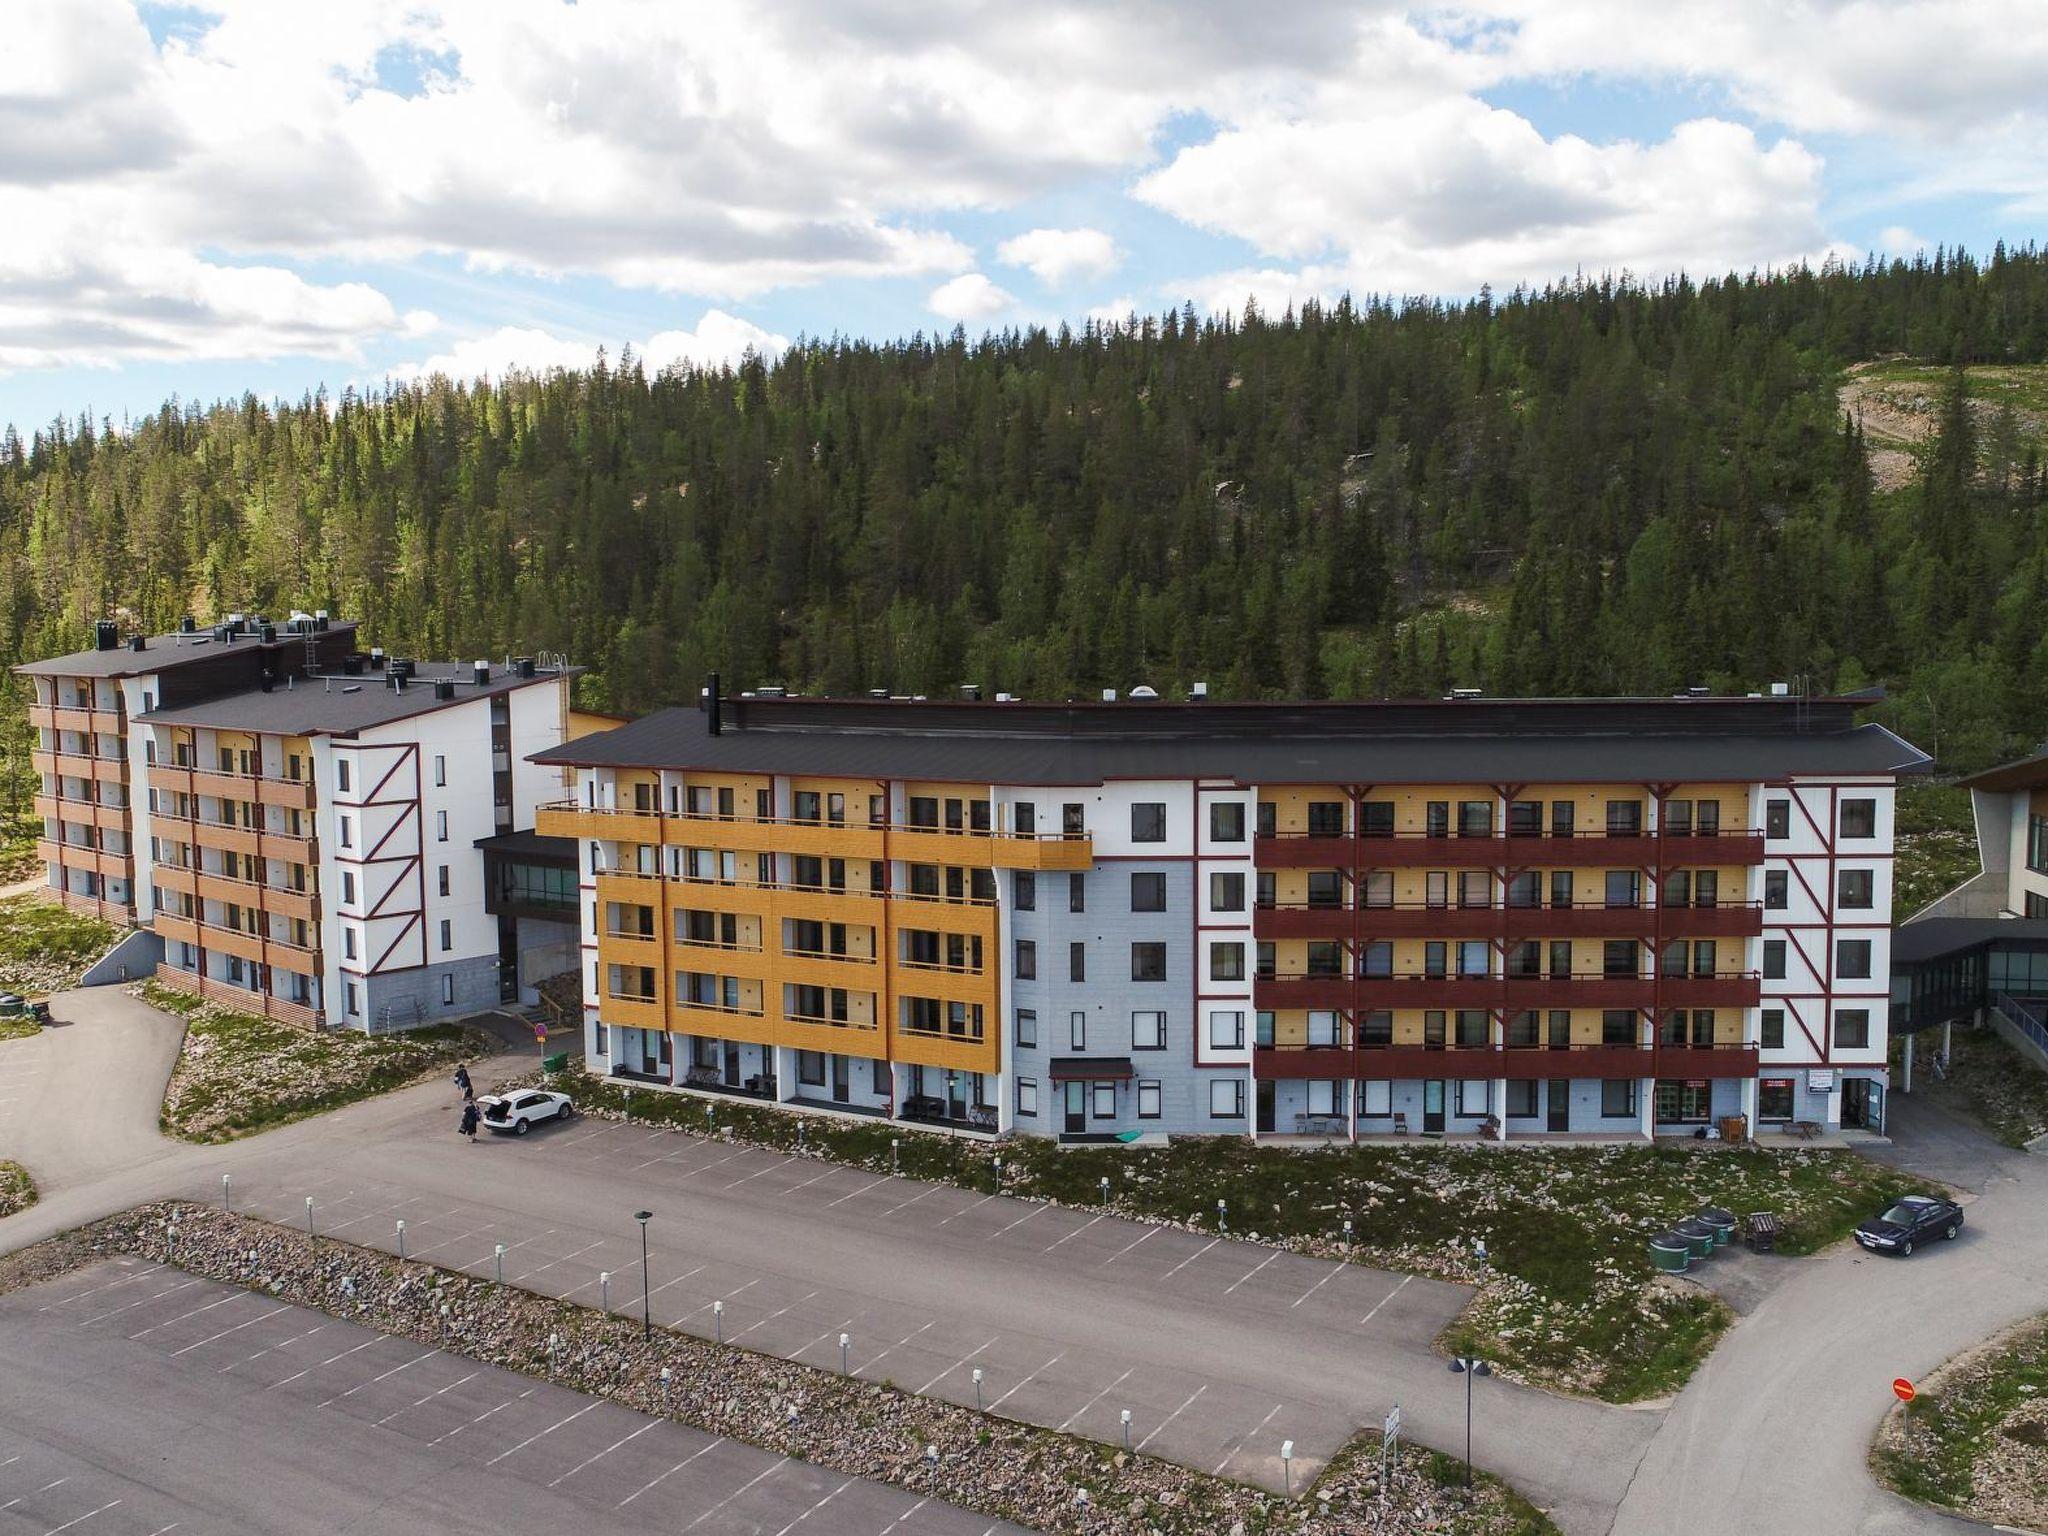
[
  {"x": 1452, "y": 848},
  {"x": 1461, "y": 920},
  {"x": 1520, "y": 1063},
  {"x": 1732, "y": 989}
]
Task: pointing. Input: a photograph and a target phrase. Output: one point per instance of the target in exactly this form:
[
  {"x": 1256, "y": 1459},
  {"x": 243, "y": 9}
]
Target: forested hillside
[{"x": 1599, "y": 487}]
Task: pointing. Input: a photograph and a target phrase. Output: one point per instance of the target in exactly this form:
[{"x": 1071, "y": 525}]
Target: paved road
[
  {"x": 142, "y": 1400},
  {"x": 1772, "y": 1433}
]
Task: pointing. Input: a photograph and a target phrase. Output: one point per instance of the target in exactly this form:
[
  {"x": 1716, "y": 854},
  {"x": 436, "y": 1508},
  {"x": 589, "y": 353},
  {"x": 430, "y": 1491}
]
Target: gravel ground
[
  {"x": 1975, "y": 1439},
  {"x": 992, "y": 1465},
  {"x": 17, "y": 1189}
]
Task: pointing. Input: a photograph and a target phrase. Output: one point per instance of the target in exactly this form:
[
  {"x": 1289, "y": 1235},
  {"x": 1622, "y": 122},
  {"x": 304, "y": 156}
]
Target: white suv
[{"x": 519, "y": 1112}]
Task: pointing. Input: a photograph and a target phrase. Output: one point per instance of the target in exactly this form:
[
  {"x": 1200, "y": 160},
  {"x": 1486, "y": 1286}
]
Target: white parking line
[
  {"x": 271, "y": 1348},
  {"x": 721, "y": 1162},
  {"x": 650, "y": 1424},
  {"x": 1240, "y": 1280},
  {"x": 890, "y": 1350},
  {"x": 328, "y": 1361},
  {"x": 880, "y": 1178},
  {"x": 807, "y": 1183},
  {"x": 458, "y": 1429},
  {"x": 182, "y": 1285},
  {"x": 1150, "y": 1233},
  {"x": 1034, "y": 1211},
  {"x": 1335, "y": 1271},
  {"x": 902, "y": 1205},
  {"x": 1173, "y": 1415},
  {"x": 949, "y": 1370},
  {"x": 829, "y": 1333},
  {"x": 1055, "y": 1360},
  {"x": 437, "y": 1392},
  {"x": 1048, "y": 1248},
  {"x": 1245, "y": 1439},
  {"x": 728, "y": 1296},
  {"x": 53, "y": 1530},
  {"x": 1098, "y": 1397},
  {"x": 597, "y": 1402},
  {"x": 352, "y": 1391},
  {"x": 735, "y": 1338},
  {"x": 771, "y": 1168},
  {"x": 1375, "y": 1312},
  {"x": 33, "y": 1492},
  {"x": 701, "y": 1450},
  {"x": 1184, "y": 1263},
  {"x": 984, "y": 1200},
  {"x": 551, "y": 1263},
  {"x": 144, "y": 1274},
  {"x": 743, "y": 1487},
  {"x": 236, "y": 1296},
  {"x": 800, "y": 1519},
  {"x": 258, "y": 1318},
  {"x": 885, "y": 1530}
]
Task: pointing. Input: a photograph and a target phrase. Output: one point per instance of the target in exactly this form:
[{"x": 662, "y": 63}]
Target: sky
[{"x": 271, "y": 195}]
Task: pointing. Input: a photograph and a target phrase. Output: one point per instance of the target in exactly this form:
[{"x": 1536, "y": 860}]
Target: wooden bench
[
  {"x": 1802, "y": 1130},
  {"x": 1760, "y": 1232}
]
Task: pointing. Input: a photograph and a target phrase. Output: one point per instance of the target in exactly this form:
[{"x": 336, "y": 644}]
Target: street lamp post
[
  {"x": 1469, "y": 1368},
  {"x": 646, "y": 1292}
]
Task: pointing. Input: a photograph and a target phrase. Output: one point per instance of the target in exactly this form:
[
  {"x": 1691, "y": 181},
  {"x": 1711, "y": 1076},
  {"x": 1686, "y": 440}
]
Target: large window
[
  {"x": 1148, "y": 1101},
  {"x": 1148, "y": 892},
  {"x": 1226, "y": 962},
  {"x": 2037, "y": 844},
  {"x": 1774, "y": 959},
  {"x": 1226, "y": 892},
  {"x": 1774, "y": 1098},
  {"x": 1148, "y": 822},
  {"x": 1852, "y": 959},
  {"x": 1859, "y": 818},
  {"x": 1026, "y": 891},
  {"x": 1027, "y": 1097},
  {"x": 1474, "y": 1097},
  {"x": 1027, "y": 1029},
  {"x": 1148, "y": 1031},
  {"x": 537, "y": 885},
  {"x": 1027, "y": 960},
  {"x": 1777, "y": 819},
  {"x": 1854, "y": 889},
  {"x": 1148, "y": 961},
  {"x": 1226, "y": 1098},
  {"x": 1226, "y": 1030},
  {"x": 1683, "y": 1103},
  {"x": 1618, "y": 1098},
  {"x": 1777, "y": 889},
  {"x": 1852, "y": 1029},
  {"x": 1226, "y": 821},
  {"x": 1772, "y": 1028},
  {"x": 1521, "y": 1099}
]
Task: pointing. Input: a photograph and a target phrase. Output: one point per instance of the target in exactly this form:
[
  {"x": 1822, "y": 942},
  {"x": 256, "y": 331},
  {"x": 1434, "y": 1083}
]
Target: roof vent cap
[
  {"x": 1780, "y": 690},
  {"x": 1109, "y": 695},
  {"x": 1198, "y": 691},
  {"x": 971, "y": 692},
  {"x": 138, "y": 643},
  {"x": 1144, "y": 691}
]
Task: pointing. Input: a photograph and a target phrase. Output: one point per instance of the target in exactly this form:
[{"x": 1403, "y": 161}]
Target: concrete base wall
[
  {"x": 409, "y": 999},
  {"x": 136, "y": 956}
]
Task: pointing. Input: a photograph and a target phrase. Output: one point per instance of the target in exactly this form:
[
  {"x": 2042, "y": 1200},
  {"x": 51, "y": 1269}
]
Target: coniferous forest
[{"x": 1598, "y": 487}]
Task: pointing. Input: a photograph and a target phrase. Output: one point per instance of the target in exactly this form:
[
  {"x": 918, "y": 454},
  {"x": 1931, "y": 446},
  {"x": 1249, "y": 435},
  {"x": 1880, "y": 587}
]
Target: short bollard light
[
  {"x": 309, "y": 1215},
  {"x": 554, "y": 1344},
  {"x": 1222, "y": 1215},
  {"x": 799, "y": 1135},
  {"x": 444, "y": 1319},
  {"x": 1125, "y": 1416},
  {"x": 718, "y": 1320},
  {"x": 401, "y": 1237},
  {"x": 1081, "y": 1498},
  {"x": 1287, "y": 1467},
  {"x": 1105, "y": 1189},
  {"x": 895, "y": 1154},
  {"x": 252, "y": 1261},
  {"x": 999, "y": 1170},
  {"x": 604, "y": 1290},
  {"x": 498, "y": 1259},
  {"x": 792, "y": 1413},
  {"x": 666, "y": 1379},
  {"x": 931, "y": 1455},
  {"x": 225, "y": 1180},
  {"x": 844, "y": 1340},
  {"x": 1347, "y": 1231},
  {"x": 977, "y": 1390}
]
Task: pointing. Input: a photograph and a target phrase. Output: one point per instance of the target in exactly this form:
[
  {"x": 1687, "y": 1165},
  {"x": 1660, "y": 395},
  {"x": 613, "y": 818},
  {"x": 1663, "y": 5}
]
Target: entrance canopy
[{"x": 1093, "y": 1069}]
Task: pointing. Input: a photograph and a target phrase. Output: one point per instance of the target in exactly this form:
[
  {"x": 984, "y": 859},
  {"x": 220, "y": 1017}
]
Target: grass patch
[
  {"x": 1975, "y": 1440},
  {"x": 1988, "y": 1082},
  {"x": 239, "y": 1074},
  {"x": 45, "y": 947},
  {"x": 1936, "y": 844},
  {"x": 19, "y": 860},
  {"x": 1567, "y": 1295},
  {"x": 17, "y": 1189}
]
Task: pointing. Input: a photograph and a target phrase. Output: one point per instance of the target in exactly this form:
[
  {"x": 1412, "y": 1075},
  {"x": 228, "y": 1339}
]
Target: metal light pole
[
  {"x": 1468, "y": 1368},
  {"x": 646, "y": 1294}
]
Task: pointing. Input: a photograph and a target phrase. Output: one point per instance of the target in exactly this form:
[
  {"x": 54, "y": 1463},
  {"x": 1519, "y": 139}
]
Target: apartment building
[
  {"x": 1124, "y": 920},
  {"x": 304, "y": 828}
]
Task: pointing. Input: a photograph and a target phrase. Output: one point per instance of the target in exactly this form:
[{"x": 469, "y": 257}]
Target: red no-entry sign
[{"x": 1902, "y": 1389}]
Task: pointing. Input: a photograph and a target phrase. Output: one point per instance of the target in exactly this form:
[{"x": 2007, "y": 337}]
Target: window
[
  {"x": 447, "y": 991},
  {"x": 1326, "y": 818},
  {"x": 1226, "y": 1031},
  {"x": 1624, "y": 887},
  {"x": 1772, "y": 1029},
  {"x": 1226, "y": 1098},
  {"x": 1226, "y": 821},
  {"x": 1027, "y": 1097},
  {"x": 348, "y": 887},
  {"x": 1852, "y": 959},
  {"x": 600, "y": 1044},
  {"x": 1077, "y": 961},
  {"x": 1027, "y": 960},
  {"x": 1148, "y": 892},
  {"x": 1148, "y": 1031},
  {"x": 441, "y": 878},
  {"x": 1777, "y": 889},
  {"x": 1077, "y": 892},
  {"x": 447, "y": 935},
  {"x": 1226, "y": 962},
  {"x": 348, "y": 944},
  {"x": 1375, "y": 1097},
  {"x": 1618, "y": 1026},
  {"x": 1854, "y": 888},
  {"x": 348, "y": 831},
  {"x": 1148, "y": 822},
  {"x": 2037, "y": 844},
  {"x": 810, "y": 1068},
  {"x": 1226, "y": 892},
  {"x": 1475, "y": 1096},
  {"x": 1027, "y": 1029},
  {"x": 341, "y": 783},
  {"x": 1777, "y": 819},
  {"x": 353, "y": 999},
  {"x": 1852, "y": 1029},
  {"x": 1774, "y": 1098},
  {"x": 1521, "y": 1098},
  {"x": 1376, "y": 959},
  {"x": 441, "y": 826},
  {"x": 1073, "y": 819},
  {"x": 1859, "y": 818},
  {"x": 1436, "y": 818},
  {"x": 1774, "y": 959},
  {"x": 440, "y": 771},
  {"x": 1077, "y": 1031},
  {"x": 1376, "y": 889},
  {"x": 1148, "y": 962},
  {"x": 1026, "y": 891},
  {"x": 1104, "y": 1096},
  {"x": 1624, "y": 818},
  {"x": 1618, "y": 1098}
]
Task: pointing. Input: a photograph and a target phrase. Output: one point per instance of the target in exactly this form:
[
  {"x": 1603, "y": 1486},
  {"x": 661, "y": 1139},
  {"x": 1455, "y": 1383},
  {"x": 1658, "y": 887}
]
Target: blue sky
[{"x": 238, "y": 196}]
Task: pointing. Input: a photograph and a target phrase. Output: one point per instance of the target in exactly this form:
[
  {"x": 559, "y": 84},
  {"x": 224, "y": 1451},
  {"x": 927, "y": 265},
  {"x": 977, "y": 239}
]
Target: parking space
[
  {"x": 759, "y": 1248},
  {"x": 210, "y": 1407}
]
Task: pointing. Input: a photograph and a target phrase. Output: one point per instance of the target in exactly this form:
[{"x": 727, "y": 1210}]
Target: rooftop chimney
[
  {"x": 188, "y": 625},
  {"x": 444, "y": 687},
  {"x": 1109, "y": 695},
  {"x": 483, "y": 673},
  {"x": 711, "y": 703},
  {"x": 1198, "y": 692},
  {"x": 138, "y": 642},
  {"x": 522, "y": 666},
  {"x": 106, "y": 635}
]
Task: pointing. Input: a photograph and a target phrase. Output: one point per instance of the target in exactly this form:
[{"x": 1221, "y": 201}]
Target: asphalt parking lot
[
  {"x": 766, "y": 1296},
  {"x": 141, "y": 1400}
]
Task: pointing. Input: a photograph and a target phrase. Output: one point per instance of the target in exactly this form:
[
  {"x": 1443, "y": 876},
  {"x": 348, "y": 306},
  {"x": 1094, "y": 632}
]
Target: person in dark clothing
[
  {"x": 470, "y": 1117},
  {"x": 462, "y": 1080}
]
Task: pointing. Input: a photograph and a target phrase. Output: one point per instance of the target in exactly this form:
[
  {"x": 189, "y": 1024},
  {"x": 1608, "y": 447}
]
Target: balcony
[
  {"x": 82, "y": 813},
  {"x": 1730, "y": 1059},
  {"x": 1450, "y": 850},
  {"x": 1598, "y": 846},
  {"x": 1728, "y": 989},
  {"x": 945, "y": 1050},
  {"x": 571, "y": 818},
  {"x": 806, "y": 1032},
  {"x": 76, "y": 856},
  {"x": 80, "y": 765},
  {"x": 1519, "y": 1063}
]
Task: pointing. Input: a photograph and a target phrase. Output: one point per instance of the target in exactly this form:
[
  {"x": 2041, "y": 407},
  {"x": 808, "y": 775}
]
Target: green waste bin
[
  {"x": 1670, "y": 1253},
  {"x": 1699, "y": 1237},
  {"x": 1723, "y": 1223},
  {"x": 559, "y": 1062}
]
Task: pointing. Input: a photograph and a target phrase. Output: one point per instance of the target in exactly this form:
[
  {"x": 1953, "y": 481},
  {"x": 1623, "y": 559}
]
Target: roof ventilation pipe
[
  {"x": 1197, "y": 692},
  {"x": 1144, "y": 691},
  {"x": 106, "y": 635}
]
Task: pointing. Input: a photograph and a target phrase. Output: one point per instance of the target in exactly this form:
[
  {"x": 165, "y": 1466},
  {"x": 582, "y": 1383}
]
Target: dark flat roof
[
  {"x": 2027, "y": 773},
  {"x": 161, "y": 653},
  {"x": 1931, "y": 938},
  {"x": 332, "y": 704},
  {"x": 1393, "y": 742},
  {"x": 532, "y": 846}
]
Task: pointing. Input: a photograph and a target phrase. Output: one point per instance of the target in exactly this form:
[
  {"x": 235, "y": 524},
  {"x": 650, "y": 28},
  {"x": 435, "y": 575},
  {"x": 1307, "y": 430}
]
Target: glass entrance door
[
  {"x": 1433, "y": 1106},
  {"x": 1077, "y": 1108}
]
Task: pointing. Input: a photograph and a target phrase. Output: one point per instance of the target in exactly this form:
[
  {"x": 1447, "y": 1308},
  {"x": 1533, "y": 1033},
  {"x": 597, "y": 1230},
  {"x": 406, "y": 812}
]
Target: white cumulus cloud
[
  {"x": 719, "y": 340},
  {"x": 1054, "y": 255},
  {"x": 970, "y": 296}
]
